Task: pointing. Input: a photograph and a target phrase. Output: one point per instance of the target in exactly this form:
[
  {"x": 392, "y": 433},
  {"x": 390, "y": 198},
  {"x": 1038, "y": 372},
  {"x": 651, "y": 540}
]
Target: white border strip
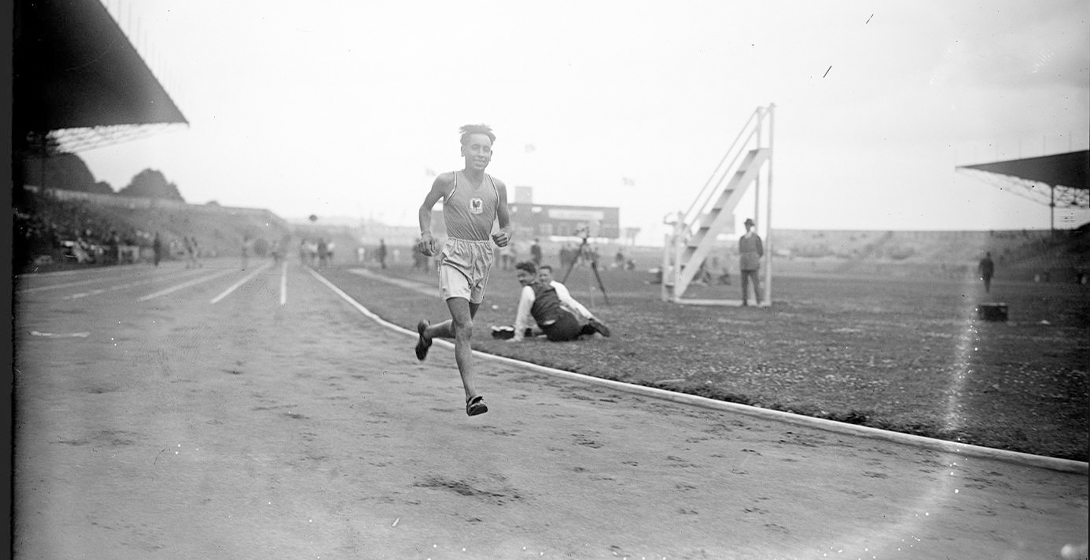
[
  {"x": 361, "y": 308},
  {"x": 123, "y": 286},
  {"x": 1062, "y": 465},
  {"x": 194, "y": 282},
  {"x": 99, "y": 280},
  {"x": 74, "y": 271},
  {"x": 236, "y": 285}
]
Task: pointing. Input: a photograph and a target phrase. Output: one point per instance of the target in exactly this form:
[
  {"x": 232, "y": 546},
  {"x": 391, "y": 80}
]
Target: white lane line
[
  {"x": 93, "y": 270},
  {"x": 421, "y": 287},
  {"x": 284, "y": 283},
  {"x": 359, "y": 307},
  {"x": 127, "y": 285},
  {"x": 193, "y": 282},
  {"x": 236, "y": 285},
  {"x": 66, "y": 285},
  {"x": 61, "y": 335}
]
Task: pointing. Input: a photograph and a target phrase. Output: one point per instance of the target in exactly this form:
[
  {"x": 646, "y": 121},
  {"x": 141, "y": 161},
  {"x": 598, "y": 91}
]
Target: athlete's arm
[
  {"x": 439, "y": 189},
  {"x": 503, "y": 236},
  {"x": 566, "y": 300},
  {"x": 523, "y": 316}
]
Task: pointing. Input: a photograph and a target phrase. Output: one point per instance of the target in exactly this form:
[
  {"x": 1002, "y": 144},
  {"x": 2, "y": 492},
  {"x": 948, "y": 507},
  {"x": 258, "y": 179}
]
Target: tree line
[{"x": 69, "y": 172}]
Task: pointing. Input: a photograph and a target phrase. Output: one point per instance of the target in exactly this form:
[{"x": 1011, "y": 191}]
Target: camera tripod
[{"x": 593, "y": 268}]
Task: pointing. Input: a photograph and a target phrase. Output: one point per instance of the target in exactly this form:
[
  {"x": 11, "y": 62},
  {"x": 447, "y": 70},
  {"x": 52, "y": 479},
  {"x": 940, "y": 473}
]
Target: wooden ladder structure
[{"x": 746, "y": 164}]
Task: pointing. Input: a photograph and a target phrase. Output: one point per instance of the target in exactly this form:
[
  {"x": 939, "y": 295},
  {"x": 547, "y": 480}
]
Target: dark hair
[
  {"x": 470, "y": 129},
  {"x": 526, "y": 266},
  {"x": 543, "y": 267}
]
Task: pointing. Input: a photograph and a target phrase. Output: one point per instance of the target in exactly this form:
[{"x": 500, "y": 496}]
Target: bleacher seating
[{"x": 70, "y": 228}]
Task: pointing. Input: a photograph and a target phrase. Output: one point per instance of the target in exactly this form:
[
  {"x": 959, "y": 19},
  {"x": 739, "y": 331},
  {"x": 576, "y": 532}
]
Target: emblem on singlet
[{"x": 476, "y": 206}]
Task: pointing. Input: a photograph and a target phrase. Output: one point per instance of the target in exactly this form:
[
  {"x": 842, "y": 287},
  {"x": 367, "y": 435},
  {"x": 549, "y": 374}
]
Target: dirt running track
[{"x": 173, "y": 427}]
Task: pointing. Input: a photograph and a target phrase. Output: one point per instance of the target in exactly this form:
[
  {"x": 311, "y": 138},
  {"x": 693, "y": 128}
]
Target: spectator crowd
[{"x": 47, "y": 230}]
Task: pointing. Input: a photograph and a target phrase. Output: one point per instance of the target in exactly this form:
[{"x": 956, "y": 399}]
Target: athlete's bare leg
[{"x": 460, "y": 328}]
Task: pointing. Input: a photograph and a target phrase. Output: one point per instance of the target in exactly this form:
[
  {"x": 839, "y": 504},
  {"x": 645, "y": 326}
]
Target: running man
[{"x": 472, "y": 201}]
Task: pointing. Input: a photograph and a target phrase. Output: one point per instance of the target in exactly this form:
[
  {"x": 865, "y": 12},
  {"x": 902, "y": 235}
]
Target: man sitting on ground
[{"x": 551, "y": 307}]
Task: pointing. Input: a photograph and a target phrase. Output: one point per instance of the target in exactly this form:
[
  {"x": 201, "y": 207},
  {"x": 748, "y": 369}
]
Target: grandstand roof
[
  {"x": 1068, "y": 170},
  {"x": 75, "y": 68}
]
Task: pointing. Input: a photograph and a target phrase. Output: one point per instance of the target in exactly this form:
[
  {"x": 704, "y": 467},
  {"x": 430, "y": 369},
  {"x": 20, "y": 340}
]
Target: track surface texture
[{"x": 280, "y": 422}]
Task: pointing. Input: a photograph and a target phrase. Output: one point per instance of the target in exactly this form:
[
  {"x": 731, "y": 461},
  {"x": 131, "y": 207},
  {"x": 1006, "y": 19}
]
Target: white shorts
[{"x": 463, "y": 269}]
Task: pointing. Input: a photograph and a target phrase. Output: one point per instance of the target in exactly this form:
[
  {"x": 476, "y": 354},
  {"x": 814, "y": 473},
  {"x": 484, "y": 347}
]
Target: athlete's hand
[
  {"x": 501, "y": 238},
  {"x": 427, "y": 245}
]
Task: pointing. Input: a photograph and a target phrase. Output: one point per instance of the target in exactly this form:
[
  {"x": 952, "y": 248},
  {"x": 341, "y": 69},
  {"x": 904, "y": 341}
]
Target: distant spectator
[
  {"x": 195, "y": 252},
  {"x": 535, "y": 253},
  {"x": 115, "y": 247},
  {"x": 703, "y": 275},
  {"x": 719, "y": 270},
  {"x": 751, "y": 250},
  {"x": 189, "y": 258},
  {"x": 312, "y": 252},
  {"x": 277, "y": 253},
  {"x": 323, "y": 253},
  {"x": 381, "y": 253},
  {"x": 986, "y": 268},
  {"x": 157, "y": 249},
  {"x": 567, "y": 256},
  {"x": 247, "y": 246}
]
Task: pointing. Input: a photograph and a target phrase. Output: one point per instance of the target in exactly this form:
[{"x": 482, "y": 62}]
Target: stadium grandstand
[
  {"x": 79, "y": 84},
  {"x": 1057, "y": 180}
]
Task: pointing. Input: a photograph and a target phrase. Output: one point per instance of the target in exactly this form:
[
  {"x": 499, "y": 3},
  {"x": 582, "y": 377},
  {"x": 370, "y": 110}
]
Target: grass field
[{"x": 907, "y": 355}]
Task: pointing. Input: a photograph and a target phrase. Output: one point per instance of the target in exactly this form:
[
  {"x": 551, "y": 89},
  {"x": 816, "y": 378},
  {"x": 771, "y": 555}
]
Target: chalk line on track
[
  {"x": 183, "y": 285},
  {"x": 65, "y": 285},
  {"x": 76, "y": 271},
  {"x": 238, "y": 284},
  {"x": 126, "y": 285},
  {"x": 1061, "y": 465},
  {"x": 408, "y": 284}
]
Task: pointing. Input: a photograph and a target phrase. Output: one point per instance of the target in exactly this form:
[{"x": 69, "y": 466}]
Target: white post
[
  {"x": 667, "y": 246},
  {"x": 679, "y": 242},
  {"x": 757, "y": 181},
  {"x": 768, "y": 219}
]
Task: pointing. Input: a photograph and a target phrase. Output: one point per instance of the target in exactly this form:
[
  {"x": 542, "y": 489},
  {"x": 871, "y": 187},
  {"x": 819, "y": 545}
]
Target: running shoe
[
  {"x": 598, "y": 326},
  {"x": 476, "y": 406},
  {"x": 422, "y": 343}
]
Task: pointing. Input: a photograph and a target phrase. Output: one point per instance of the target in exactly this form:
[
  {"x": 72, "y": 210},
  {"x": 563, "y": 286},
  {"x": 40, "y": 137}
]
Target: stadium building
[{"x": 533, "y": 221}]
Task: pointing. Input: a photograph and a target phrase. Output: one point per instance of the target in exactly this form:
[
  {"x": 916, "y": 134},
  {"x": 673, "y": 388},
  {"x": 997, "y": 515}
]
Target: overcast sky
[{"x": 339, "y": 108}]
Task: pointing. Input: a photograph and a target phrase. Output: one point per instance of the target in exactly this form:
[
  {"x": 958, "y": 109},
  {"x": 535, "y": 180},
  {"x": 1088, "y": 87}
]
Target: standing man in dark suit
[{"x": 751, "y": 250}]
